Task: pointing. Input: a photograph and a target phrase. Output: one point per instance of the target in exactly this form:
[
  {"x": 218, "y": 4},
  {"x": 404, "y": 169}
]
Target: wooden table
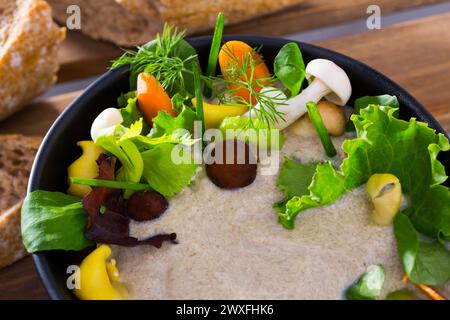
[{"x": 416, "y": 54}]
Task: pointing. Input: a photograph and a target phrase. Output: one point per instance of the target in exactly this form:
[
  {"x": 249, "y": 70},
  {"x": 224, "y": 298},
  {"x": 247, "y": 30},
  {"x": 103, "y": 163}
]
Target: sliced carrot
[
  {"x": 427, "y": 290},
  {"x": 152, "y": 97},
  {"x": 234, "y": 52}
]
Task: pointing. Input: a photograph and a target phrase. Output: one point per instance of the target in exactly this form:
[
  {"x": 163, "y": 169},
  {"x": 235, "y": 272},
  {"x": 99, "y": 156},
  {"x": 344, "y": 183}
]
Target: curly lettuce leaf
[
  {"x": 384, "y": 144},
  {"x": 254, "y": 131},
  {"x": 165, "y": 124},
  {"x": 163, "y": 174}
]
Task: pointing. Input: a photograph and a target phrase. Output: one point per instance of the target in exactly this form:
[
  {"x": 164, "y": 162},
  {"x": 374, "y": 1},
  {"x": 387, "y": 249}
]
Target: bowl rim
[{"x": 40, "y": 259}]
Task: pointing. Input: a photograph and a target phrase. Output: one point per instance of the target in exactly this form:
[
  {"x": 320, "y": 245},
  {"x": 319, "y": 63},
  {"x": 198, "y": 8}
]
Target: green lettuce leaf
[
  {"x": 424, "y": 262},
  {"x": 255, "y": 131},
  {"x": 165, "y": 124},
  {"x": 364, "y": 102},
  {"x": 384, "y": 144},
  {"x": 162, "y": 174},
  {"x": 53, "y": 221}
]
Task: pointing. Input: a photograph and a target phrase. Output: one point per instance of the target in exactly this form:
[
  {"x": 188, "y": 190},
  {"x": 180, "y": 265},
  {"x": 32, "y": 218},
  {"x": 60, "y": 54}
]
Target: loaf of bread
[
  {"x": 17, "y": 153},
  {"x": 29, "y": 41},
  {"x": 132, "y": 22}
]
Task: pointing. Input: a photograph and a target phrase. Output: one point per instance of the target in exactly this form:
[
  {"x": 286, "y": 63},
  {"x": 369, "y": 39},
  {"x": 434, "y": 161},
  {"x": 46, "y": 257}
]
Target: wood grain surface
[{"x": 415, "y": 54}]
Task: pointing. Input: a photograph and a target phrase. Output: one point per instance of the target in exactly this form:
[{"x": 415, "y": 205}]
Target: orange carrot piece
[
  {"x": 237, "y": 51},
  {"x": 427, "y": 290},
  {"x": 152, "y": 97}
]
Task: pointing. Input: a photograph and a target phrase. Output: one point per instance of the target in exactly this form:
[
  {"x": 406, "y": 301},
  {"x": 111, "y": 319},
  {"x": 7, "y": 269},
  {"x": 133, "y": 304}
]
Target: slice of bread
[
  {"x": 29, "y": 42},
  {"x": 17, "y": 154},
  {"x": 132, "y": 22}
]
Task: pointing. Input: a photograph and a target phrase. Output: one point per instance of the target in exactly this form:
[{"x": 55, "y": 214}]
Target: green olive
[{"x": 385, "y": 191}]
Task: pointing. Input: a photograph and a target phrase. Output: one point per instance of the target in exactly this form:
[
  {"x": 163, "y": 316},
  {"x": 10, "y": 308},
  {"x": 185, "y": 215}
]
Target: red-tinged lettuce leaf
[
  {"x": 384, "y": 144},
  {"x": 107, "y": 212},
  {"x": 113, "y": 228},
  {"x": 97, "y": 197}
]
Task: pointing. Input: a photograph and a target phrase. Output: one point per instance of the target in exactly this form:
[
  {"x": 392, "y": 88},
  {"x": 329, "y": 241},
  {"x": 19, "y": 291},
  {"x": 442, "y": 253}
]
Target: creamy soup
[{"x": 231, "y": 245}]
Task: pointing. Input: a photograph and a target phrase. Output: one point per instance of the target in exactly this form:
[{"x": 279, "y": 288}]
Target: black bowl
[{"x": 58, "y": 152}]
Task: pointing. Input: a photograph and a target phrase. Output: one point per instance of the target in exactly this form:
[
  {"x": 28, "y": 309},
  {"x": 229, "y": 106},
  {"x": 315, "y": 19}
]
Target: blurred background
[{"x": 407, "y": 40}]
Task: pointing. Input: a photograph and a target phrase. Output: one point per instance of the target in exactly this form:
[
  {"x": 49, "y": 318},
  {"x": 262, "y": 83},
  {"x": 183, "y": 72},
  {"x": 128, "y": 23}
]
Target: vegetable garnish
[
  {"x": 322, "y": 131},
  {"x": 110, "y": 184},
  {"x": 199, "y": 99},
  {"x": 99, "y": 278},
  {"x": 162, "y": 174},
  {"x": 169, "y": 58},
  {"x": 427, "y": 290},
  {"x": 152, "y": 97},
  {"x": 96, "y": 198},
  {"x": 363, "y": 102},
  {"x": 215, "y": 45},
  {"x": 290, "y": 68},
  {"x": 244, "y": 75},
  {"x": 379, "y": 133},
  {"x": 112, "y": 227},
  {"x": 53, "y": 221},
  {"x": 425, "y": 263},
  {"x": 368, "y": 286}
]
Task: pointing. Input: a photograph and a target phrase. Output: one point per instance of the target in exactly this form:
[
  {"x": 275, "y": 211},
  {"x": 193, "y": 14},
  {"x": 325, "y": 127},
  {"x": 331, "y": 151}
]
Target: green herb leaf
[
  {"x": 424, "y": 262},
  {"x": 368, "y": 286},
  {"x": 322, "y": 131},
  {"x": 169, "y": 58},
  {"x": 162, "y": 174},
  {"x": 290, "y": 68},
  {"x": 53, "y": 221}
]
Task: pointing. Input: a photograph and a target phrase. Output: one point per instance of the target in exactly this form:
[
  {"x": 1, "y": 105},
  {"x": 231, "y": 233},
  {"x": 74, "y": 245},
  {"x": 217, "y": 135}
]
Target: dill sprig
[
  {"x": 240, "y": 75},
  {"x": 159, "y": 58}
]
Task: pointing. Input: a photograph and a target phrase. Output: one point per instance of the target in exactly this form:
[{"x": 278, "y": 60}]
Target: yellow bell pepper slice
[
  {"x": 215, "y": 114},
  {"x": 385, "y": 191},
  {"x": 84, "y": 167},
  {"x": 99, "y": 279}
]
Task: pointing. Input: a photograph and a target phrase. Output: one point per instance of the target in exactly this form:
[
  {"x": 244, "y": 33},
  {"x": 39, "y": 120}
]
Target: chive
[
  {"x": 199, "y": 99},
  {"x": 111, "y": 184},
  {"x": 215, "y": 45},
  {"x": 317, "y": 120}
]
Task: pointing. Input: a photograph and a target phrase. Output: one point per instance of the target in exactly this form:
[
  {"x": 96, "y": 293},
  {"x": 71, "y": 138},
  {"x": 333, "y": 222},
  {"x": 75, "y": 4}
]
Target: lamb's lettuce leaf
[
  {"x": 163, "y": 174},
  {"x": 385, "y": 144},
  {"x": 424, "y": 262},
  {"x": 53, "y": 221}
]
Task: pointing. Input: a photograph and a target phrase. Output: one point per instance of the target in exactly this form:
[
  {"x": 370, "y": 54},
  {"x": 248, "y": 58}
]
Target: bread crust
[
  {"x": 29, "y": 42},
  {"x": 137, "y": 21},
  {"x": 17, "y": 153},
  {"x": 11, "y": 247}
]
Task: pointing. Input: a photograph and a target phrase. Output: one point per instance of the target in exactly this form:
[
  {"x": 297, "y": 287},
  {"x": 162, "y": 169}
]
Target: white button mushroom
[
  {"x": 326, "y": 80},
  {"x": 107, "y": 118}
]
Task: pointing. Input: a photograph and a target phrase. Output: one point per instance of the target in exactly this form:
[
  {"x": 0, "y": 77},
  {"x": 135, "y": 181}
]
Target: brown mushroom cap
[
  {"x": 147, "y": 205},
  {"x": 238, "y": 171}
]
